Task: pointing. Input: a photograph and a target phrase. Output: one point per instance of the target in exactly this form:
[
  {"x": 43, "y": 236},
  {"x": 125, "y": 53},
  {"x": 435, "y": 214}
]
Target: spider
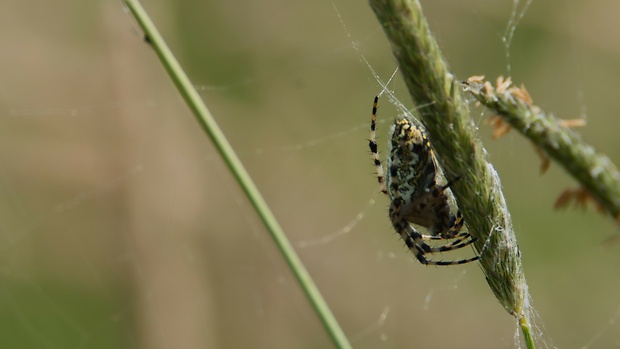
[{"x": 415, "y": 196}]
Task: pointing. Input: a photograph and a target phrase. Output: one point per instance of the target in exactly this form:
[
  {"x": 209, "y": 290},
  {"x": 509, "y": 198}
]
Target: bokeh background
[{"x": 121, "y": 228}]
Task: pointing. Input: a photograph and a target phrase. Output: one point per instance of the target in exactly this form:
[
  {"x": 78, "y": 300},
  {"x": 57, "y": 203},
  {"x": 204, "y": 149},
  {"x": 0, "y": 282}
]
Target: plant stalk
[
  {"x": 459, "y": 151},
  {"x": 594, "y": 171},
  {"x": 208, "y": 124}
]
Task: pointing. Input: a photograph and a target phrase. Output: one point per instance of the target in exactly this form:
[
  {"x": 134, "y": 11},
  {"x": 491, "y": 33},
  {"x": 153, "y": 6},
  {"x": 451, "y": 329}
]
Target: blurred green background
[{"x": 121, "y": 228}]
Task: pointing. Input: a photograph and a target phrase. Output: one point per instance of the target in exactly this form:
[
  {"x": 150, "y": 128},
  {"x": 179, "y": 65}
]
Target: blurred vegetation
[{"x": 121, "y": 228}]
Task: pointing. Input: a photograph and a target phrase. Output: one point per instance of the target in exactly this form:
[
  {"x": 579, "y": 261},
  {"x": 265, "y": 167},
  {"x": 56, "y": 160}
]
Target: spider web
[{"x": 121, "y": 227}]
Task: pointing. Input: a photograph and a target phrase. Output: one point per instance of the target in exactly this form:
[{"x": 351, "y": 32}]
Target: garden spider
[{"x": 415, "y": 197}]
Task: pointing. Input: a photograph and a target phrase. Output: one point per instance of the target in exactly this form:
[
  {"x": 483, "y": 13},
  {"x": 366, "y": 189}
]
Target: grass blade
[{"x": 208, "y": 124}]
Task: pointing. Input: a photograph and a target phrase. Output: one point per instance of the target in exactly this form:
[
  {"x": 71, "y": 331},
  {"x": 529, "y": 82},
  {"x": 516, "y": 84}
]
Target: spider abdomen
[
  {"x": 410, "y": 162},
  {"x": 413, "y": 173}
]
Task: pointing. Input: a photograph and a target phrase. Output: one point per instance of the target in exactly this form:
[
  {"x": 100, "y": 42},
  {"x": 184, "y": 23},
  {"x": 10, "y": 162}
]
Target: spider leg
[
  {"x": 455, "y": 230},
  {"x": 420, "y": 249},
  {"x": 460, "y": 235},
  {"x": 454, "y": 233},
  {"x": 425, "y": 261},
  {"x": 440, "y": 189},
  {"x": 449, "y": 184},
  {"x": 374, "y": 150},
  {"x": 414, "y": 241},
  {"x": 422, "y": 259},
  {"x": 455, "y": 245},
  {"x": 462, "y": 238}
]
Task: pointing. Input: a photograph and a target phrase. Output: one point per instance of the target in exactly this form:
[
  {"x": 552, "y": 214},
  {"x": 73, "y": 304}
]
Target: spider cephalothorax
[{"x": 415, "y": 196}]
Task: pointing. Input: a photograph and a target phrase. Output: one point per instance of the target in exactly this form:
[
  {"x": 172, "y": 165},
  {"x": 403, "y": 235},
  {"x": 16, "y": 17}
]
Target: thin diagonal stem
[{"x": 208, "y": 124}]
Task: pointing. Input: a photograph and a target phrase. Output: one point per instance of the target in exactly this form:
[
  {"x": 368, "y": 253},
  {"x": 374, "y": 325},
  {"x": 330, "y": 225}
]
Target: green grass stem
[
  {"x": 208, "y": 124},
  {"x": 594, "y": 171},
  {"x": 445, "y": 113}
]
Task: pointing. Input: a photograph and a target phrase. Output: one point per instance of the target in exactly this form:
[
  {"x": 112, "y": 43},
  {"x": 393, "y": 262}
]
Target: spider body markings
[{"x": 415, "y": 196}]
